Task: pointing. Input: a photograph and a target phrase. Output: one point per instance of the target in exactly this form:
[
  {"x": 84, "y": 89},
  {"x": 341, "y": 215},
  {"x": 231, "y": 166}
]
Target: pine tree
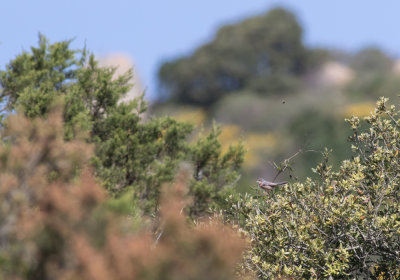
[{"x": 130, "y": 153}]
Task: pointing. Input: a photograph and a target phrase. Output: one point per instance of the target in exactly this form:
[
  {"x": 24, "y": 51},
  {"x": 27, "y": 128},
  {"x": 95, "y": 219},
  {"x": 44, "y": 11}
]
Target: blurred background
[{"x": 279, "y": 75}]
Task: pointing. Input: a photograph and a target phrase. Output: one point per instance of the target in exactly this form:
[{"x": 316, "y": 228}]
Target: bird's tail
[{"x": 281, "y": 183}]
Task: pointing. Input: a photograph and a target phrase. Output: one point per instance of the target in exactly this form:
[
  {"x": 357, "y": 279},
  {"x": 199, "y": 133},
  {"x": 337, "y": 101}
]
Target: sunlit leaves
[{"x": 344, "y": 225}]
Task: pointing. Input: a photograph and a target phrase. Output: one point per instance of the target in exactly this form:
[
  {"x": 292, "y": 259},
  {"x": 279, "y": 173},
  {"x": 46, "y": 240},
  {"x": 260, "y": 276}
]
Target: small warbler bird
[{"x": 267, "y": 185}]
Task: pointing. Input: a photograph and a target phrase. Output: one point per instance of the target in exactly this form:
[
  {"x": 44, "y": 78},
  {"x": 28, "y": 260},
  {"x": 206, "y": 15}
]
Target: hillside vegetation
[
  {"x": 94, "y": 186},
  {"x": 258, "y": 76}
]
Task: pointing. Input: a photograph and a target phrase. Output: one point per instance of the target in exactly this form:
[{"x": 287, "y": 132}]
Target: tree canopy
[{"x": 264, "y": 54}]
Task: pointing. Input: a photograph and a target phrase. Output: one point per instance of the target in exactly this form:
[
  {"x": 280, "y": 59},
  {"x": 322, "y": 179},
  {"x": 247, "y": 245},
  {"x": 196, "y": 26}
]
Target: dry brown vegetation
[{"x": 55, "y": 223}]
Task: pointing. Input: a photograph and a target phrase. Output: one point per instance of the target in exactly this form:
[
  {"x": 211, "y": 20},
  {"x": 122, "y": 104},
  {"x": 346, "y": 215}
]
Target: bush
[
  {"x": 57, "y": 223},
  {"x": 344, "y": 225}
]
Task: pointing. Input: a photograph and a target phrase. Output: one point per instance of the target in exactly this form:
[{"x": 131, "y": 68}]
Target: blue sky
[{"x": 151, "y": 31}]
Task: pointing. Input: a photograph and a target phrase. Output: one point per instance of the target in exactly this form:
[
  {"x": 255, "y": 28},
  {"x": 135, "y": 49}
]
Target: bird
[{"x": 267, "y": 185}]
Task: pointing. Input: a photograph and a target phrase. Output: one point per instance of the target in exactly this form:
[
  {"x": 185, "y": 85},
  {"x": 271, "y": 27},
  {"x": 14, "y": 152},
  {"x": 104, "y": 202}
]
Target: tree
[
  {"x": 346, "y": 224},
  {"x": 374, "y": 75},
  {"x": 373, "y": 60},
  {"x": 264, "y": 54},
  {"x": 130, "y": 153}
]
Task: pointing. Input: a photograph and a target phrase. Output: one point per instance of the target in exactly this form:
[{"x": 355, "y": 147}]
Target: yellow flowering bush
[{"x": 343, "y": 225}]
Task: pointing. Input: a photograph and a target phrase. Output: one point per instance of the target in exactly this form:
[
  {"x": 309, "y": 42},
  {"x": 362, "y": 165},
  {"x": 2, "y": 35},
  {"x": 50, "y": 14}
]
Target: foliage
[
  {"x": 33, "y": 81},
  {"x": 369, "y": 86},
  {"x": 44, "y": 72},
  {"x": 264, "y": 54},
  {"x": 373, "y": 75},
  {"x": 213, "y": 170},
  {"x": 132, "y": 152},
  {"x": 276, "y": 128},
  {"x": 56, "y": 222},
  {"x": 344, "y": 225},
  {"x": 371, "y": 60},
  {"x": 249, "y": 111},
  {"x": 315, "y": 130}
]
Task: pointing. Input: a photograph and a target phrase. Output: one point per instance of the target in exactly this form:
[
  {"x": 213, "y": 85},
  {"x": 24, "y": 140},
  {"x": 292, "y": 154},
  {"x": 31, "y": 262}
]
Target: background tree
[
  {"x": 372, "y": 59},
  {"x": 264, "y": 54},
  {"x": 375, "y": 76}
]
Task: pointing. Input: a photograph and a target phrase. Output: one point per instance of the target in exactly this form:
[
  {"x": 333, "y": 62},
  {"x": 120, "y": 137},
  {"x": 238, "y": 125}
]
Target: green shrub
[{"x": 344, "y": 225}]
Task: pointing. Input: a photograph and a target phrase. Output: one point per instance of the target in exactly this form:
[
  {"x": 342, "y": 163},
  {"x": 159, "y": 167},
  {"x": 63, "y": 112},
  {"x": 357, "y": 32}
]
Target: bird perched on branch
[{"x": 267, "y": 185}]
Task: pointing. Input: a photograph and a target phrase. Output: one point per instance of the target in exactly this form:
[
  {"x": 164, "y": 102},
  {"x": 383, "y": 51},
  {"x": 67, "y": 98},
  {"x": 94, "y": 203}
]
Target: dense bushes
[
  {"x": 344, "y": 225},
  {"x": 81, "y": 198},
  {"x": 57, "y": 223}
]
